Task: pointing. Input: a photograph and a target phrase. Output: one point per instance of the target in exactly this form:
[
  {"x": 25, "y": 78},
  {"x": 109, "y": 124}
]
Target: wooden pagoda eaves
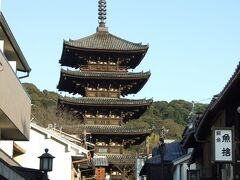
[
  {"x": 130, "y": 109},
  {"x": 101, "y": 101},
  {"x": 103, "y": 40},
  {"x": 114, "y": 130},
  {"x": 76, "y": 81},
  {"x": 120, "y": 134},
  {"x": 102, "y": 44},
  {"x": 105, "y": 75}
]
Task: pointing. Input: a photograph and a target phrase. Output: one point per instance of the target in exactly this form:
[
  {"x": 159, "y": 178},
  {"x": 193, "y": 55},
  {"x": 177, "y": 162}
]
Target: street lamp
[
  {"x": 46, "y": 162},
  {"x": 162, "y": 151}
]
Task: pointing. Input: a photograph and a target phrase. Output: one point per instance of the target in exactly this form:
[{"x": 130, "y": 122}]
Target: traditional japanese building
[
  {"x": 99, "y": 72},
  {"x": 223, "y": 116}
]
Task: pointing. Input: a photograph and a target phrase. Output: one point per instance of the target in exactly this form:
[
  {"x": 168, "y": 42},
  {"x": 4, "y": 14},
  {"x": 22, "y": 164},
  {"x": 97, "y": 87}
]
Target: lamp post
[
  {"x": 46, "y": 162},
  {"x": 162, "y": 150}
]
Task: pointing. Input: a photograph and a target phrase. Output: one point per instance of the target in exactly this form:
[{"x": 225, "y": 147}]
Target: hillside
[{"x": 172, "y": 115}]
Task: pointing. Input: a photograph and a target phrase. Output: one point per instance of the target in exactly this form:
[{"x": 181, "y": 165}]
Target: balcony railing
[
  {"x": 15, "y": 104},
  {"x": 102, "y": 120},
  {"x": 102, "y": 93},
  {"x": 108, "y": 149},
  {"x": 103, "y": 67}
]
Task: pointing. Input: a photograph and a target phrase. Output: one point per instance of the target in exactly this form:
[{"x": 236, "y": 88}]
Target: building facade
[
  {"x": 15, "y": 104},
  {"x": 67, "y": 151},
  {"x": 159, "y": 166},
  {"x": 222, "y": 115}
]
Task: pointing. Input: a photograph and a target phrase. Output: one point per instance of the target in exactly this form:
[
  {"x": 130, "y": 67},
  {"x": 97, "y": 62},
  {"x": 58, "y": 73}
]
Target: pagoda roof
[
  {"x": 103, "y": 40},
  {"x": 131, "y": 82},
  {"x": 132, "y": 109},
  {"x": 103, "y": 101},
  {"x": 103, "y": 45},
  {"x": 131, "y": 135},
  {"x": 111, "y": 129},
  {"x": 105, "y": 75}
]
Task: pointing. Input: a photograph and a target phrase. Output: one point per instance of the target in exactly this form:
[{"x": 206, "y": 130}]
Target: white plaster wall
[
  {"x": 7, "y": 147},
  {"x": 184, "y": 171},
  {"x": 35, "y": 148},
  {"x": 177, "y": 175}
]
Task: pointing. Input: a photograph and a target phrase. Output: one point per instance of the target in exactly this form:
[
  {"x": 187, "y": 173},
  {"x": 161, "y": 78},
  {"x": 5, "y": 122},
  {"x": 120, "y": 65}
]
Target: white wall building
[
  {"x": 63, "y": 150},
  {"x": 15, "y": 103},
  {"x": 180, "y": 167}
]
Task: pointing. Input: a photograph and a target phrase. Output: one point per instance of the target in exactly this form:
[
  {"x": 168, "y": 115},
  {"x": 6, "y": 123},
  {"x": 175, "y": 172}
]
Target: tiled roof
[
  {"x": 100, "y": 161},
  {"x": 76, "y": 81},
  {"x": 232, "y": 79},
  {"x": 121, "y": 159},
  {"x": 218, "y": 101},
  {"x": 103, "y": 40},
  {"x": 106, "y": 101},
  {"x": 172, "y": 151},
  {"x": 108, "y": 75},
  {"x": 111, "y": 129}
]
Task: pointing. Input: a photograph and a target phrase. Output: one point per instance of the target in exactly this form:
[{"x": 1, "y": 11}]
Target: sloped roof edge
[
  {"x": 61, "y": 139},
  {"x": 14, "y": 43}
]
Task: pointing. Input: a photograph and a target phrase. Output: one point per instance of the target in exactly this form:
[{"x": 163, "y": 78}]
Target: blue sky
[{"x": 194, "y": 45}]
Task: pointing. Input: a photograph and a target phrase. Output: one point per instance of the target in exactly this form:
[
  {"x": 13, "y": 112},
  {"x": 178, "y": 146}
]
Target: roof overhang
[
  {"x": 229, "y": 96},
  {"x": 81, "y": 152},
  {"x": 11, "y": 49},
  {"x": 74, "y": 81},
  {"x": 181, "y": 159},
  {"x": 133, "y": 109},
  {"x": 189, "y": 140},
  {"x": 100, "y": 102},
  {"x": 74, "y": 56}
]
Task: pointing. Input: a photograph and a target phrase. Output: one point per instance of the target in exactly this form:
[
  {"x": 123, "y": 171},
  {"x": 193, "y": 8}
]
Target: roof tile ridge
[
  {"x": 104, "y": 98},
  {"x": 140, "y": 72},
  {"x": 144, "y": 73},
  {"x": 133, "y": 43},
  {"x": 231, "y": 79},
  {"x": 81, "y": 39}
]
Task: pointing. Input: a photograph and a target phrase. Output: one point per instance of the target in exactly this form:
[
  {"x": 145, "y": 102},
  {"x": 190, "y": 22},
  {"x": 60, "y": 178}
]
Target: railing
[
  {"x": 101, "y": 93},
  {"x": 109, "y": 149},
  {"x": 103, "y": 120},
  {"x": 15, "y": 104},
  {"x": 68, "y": 137},
  {"x": 103, "y": 67}
]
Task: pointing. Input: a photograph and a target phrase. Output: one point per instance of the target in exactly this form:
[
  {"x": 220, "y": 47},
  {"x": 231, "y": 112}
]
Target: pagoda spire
[
  {"x": 102, "y": 12},
  {"x": 102, "y": 15}
]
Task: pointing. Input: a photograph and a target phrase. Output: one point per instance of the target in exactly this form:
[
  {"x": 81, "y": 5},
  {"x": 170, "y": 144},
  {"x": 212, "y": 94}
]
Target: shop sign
[{"x": 223, "y": 149}]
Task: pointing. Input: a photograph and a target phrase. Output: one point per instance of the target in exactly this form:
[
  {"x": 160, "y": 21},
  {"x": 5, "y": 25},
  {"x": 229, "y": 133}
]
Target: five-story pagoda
[{"x": 101, "y": 77}]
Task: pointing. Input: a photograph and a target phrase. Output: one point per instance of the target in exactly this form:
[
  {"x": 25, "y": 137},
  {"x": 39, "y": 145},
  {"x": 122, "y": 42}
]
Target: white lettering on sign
[{"x": 223, "y": 145}]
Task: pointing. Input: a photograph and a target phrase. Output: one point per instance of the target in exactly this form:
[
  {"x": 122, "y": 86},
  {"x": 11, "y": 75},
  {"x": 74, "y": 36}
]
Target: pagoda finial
[{"x": 102, "y": 12}]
